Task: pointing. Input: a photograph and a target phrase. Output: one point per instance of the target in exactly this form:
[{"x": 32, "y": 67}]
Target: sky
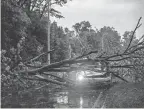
[{"x": 120, "y": 14}]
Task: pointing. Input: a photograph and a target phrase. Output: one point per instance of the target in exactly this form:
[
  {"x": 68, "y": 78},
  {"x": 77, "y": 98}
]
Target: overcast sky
[{"x": 120, "y": 14}]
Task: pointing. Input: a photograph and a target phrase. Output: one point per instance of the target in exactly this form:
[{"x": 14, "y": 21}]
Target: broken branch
[{"x": 137, "y": 26}]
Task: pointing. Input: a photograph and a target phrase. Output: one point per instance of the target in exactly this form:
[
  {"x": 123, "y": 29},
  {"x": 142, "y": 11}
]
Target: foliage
[
  {"x": 125, "y": 96},
  {"x": 82, "y": 26},
  {"x": 59, "y": 43},
  {"x": 14, "y": 24},
  {"x": 41, "y": 7},
  {"x": 111, "y": 40},
  {"x": 24, "y": 36},
  {"x": 106, "y": 39}
]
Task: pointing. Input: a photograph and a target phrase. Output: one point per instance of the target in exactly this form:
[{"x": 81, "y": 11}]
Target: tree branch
[
  {"x": 59, "y": 78},
  {"x": 41, "y": 78},
  {"x": 126, "y": 58},
  {"x": 119, "y": 77},
  {"x": 96, "y": 76},
  {"x": 37, "y": 57},
  {"x": 137, "y": 26},
  {"x": 61, "y": 63},
  {"x": 43, "y": 9},
  {"x": 126, "y": 66}
]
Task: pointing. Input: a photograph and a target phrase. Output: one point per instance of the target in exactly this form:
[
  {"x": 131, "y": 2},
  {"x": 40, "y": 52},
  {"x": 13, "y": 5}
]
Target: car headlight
[{"x": 80, "y": 77}]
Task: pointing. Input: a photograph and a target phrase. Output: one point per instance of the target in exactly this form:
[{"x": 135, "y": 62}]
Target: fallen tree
[
  {"x": 114, "y": 65},
  {"x": 81, "y": 61}
]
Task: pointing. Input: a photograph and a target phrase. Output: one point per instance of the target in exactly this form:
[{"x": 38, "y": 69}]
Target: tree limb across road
[{"x": 82, "y": 62}]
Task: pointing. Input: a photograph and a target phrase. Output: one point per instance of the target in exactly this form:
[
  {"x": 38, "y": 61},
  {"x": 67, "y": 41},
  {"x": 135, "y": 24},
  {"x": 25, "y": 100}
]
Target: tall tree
[
  {"x": 59, "y": 43},
  {"x": 110, "y": 40}
]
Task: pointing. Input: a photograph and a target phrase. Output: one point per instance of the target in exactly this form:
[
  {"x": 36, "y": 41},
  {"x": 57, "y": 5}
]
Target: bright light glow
[
  {"x": 80, "y": 77},
  {"x": 81, "y": 102}
]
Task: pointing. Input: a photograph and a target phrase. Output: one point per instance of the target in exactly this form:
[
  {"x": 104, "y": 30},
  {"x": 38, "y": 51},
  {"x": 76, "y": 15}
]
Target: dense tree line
[{"x": 24, "y": 36}]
